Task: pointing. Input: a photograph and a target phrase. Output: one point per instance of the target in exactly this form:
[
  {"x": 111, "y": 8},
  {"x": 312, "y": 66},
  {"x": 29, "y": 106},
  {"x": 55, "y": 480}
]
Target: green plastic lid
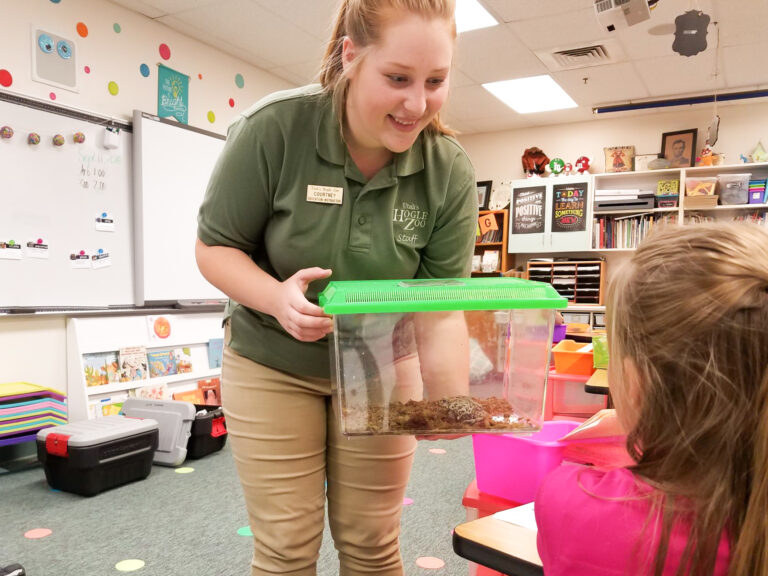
[{"x": 427, "y": 295}]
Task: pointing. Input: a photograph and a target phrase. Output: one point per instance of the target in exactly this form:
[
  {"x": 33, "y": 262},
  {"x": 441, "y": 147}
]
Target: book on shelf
[
  {"x": 211, "y": 391},
  {"x": 106, "y": 406},
  {"x": 152, "y": 392},
  {"x": 101, "y": 368},
  {"x": 195, "y": 396},
  {"x": 183, "y": 359},
  {"x": 133, "y": 363},
  {"x": 161, "y": 363},
  {"x": 215, "y": 352},
  {"x": 667, "y": 187}
]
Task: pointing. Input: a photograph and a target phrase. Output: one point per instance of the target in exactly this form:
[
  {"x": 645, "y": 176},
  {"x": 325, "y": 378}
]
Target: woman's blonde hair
[
  {"x": 690, "y": 311},
  {"x": 363, "y": 21}
]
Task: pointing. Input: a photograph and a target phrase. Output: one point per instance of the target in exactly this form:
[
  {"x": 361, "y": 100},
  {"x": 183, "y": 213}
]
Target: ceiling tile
[
  {"x": 736, "y": 74},
  {"x": 516, "y": 10},
  {"x": 493, "y": 54},
  {"x": 559, "y": 29},
  {"x": 315, "y": 17},
  {"x": 605, "y": 84},
  {"x": 671, "y": 76}
]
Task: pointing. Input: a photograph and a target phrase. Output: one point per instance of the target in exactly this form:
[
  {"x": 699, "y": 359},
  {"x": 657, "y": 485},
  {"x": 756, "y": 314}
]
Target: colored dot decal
[
  {"x": 199, "y": 76},
  {"x": 5, "y": 78},
  {"x": 231, "y": 102},
  {"x": 211, "y": 116},
  {"x": 37, "y": 533},
  {"x": 429, "y": 562},
  {"x": 184, "y": 470},
  {"x": 82, "y": 29},
  {"x": 55, "y": 1},
  {"x": 144, "y": 69},
  {"x": 436, "y": 451},
  {"x": 52, "y": 95},
  {"x": 239, "y": 80},
  {"x": 244, "y": 531},
  {"x": 87, "y": 69},
  {"x": 407, "y": 501},
  {"x": 113, "y": 88},
  {"x": 165, "y": 51},
  {"x": 116, "y": 28},
  {"x": 129, "y": 565}
]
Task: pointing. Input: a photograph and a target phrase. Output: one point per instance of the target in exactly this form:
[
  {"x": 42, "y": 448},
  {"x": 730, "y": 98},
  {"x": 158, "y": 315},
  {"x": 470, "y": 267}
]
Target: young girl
[
  {"x": 355, "y": 175},
  {"x": 688, "y": 336}
]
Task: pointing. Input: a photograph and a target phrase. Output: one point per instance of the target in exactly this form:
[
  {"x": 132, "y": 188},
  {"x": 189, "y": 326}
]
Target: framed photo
[
  {"x": 483, "y": 193},
  {"x": 619, "y": 158},
  {"x": 679, "y": 148}
]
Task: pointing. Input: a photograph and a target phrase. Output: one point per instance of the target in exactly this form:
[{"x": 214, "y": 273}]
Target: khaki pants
[{"x": 286, "y": 442}]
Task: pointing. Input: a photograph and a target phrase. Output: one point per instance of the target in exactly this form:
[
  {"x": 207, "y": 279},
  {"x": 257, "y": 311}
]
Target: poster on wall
[
  {"x": 528, "y": 208},
  {"x": 172, "y": 94},
  {"x": 570, "y": 207}
]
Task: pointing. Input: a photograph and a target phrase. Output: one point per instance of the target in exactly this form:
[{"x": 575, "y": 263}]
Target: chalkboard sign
[
  {"x": 528, "y": 208},
  {"x": 65, "y": 219},
  {"x": 173, "y": 163},
  {"x": 569, "y": 207}
]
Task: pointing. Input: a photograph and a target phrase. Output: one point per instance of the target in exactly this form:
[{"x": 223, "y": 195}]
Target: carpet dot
[
  {"x": 37, "y": 533},
  {"x": 244, "y": 531},
  {"x": 436, "y": 451},
  {"x": 184, "y": 470},
  {"x": 407, "y": 501},
  {"x": 429, "y": 562},
  {"x": 129, "y": 565}
]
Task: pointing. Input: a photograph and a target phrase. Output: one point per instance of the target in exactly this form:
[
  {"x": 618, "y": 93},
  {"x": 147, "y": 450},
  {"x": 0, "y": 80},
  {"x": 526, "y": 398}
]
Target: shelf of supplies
[
  {"x": 175, "y": 378},
  {"x": 730, "y": 207},
  {"x": 637, "y": 212}
]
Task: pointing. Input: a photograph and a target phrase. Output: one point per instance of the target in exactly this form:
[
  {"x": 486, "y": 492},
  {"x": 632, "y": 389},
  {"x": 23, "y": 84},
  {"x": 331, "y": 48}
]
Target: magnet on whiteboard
[{"x": 111, "y": 137}]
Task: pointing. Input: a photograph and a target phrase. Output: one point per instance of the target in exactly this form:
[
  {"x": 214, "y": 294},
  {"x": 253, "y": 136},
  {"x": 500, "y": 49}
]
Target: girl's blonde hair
[
  {"x": 363, "y": 21},
  {"x": 690, "y": 310}
]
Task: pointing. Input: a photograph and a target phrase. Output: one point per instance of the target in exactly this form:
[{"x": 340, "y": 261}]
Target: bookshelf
[
  {"x": 580, "y": 282},
  {"x": 88, "y": 337},
  {"x": 493, "y": 240}
]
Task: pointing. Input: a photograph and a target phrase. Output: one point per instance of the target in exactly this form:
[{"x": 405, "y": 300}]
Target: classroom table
[{"x": 499, "y": 545}]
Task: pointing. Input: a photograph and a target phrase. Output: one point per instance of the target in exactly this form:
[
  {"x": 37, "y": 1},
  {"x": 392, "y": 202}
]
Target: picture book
[
  {"x": 159, "y": 327},
  {"x": 160, "y": 363},
  {"x": 101, "y": 368},
  {"x": 215, "y": 352},
  {"x": 211, "y": 390},
  {"x": 182, "y": 357},
  {"x": 133, "y": 364},
  {"x": 152, "y": 392},
  {"x": 106, "y": 406},
  {"x": 195, "y": 396}
]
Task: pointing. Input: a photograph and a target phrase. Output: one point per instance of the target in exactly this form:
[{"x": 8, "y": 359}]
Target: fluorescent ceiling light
[
  {"x": 470, "y": 15},
  {"x": 534, "y": 94}
]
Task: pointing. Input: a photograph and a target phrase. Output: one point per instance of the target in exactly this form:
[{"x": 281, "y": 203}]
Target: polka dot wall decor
[
  {"x": 6, "y": 78},
  {"x": 165, "y": 51},
  {"x": 113, "y": 88},
  {"x": 144, "y": 70},
  {"x": 239, "y": 80},
  {"x": 116, "y": 27}
]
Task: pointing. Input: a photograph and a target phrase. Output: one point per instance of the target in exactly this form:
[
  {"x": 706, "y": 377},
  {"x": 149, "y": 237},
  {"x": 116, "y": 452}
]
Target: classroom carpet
[{"x": 195, "y": 524}]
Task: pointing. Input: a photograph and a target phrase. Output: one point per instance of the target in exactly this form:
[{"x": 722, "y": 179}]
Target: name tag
[{"x": 324, "y": 194}]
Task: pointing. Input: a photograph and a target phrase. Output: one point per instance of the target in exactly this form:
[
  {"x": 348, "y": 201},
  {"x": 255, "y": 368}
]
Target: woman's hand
[{"x": 300, "y": 318}]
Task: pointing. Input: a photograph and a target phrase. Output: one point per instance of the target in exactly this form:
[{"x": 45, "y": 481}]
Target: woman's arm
[{"x": 235, "y": 274}]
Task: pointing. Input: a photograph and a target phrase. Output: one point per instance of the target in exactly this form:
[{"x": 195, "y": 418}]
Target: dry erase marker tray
[{"x": 440, "y": 356}]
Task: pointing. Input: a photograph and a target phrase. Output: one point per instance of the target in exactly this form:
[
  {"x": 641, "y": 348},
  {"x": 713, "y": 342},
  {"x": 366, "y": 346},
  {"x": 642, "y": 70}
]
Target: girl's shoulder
[{"x": 588, "y": 482}]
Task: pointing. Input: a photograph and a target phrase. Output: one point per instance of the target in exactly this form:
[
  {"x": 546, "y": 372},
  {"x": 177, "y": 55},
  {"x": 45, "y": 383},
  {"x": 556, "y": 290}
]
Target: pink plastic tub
[{"x": 512, "y": 466}]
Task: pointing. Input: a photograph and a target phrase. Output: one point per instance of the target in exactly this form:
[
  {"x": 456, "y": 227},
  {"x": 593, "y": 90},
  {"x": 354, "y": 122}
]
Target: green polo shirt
[{"x": 286, "y": 192}]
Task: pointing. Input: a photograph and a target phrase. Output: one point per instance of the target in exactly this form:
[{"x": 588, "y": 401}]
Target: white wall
[
  {"x": 33, "y": 349},
  {"x": 496, "y": 156}
]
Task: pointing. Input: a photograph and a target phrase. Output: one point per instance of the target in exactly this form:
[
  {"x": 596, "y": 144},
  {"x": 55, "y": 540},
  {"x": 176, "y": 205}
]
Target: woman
[{"x": 357, "y": 178}]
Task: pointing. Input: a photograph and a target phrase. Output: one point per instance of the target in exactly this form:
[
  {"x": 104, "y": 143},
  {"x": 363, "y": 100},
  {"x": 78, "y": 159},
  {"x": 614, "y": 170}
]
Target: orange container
[{"x": 570, "y": 358}]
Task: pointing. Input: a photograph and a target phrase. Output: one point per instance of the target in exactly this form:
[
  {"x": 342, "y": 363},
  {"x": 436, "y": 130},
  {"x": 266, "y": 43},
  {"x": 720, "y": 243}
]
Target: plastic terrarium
[{"x": 440, "y": 356}]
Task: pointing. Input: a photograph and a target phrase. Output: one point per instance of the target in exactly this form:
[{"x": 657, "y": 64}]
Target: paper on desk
[{"x": 522, "y": 516}]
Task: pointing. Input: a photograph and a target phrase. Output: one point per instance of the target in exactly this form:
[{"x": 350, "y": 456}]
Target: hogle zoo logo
[{"x": 410, "y": 220}]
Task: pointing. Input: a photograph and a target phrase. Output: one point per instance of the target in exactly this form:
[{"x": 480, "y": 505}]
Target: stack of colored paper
[
  {"x": 757, "y": 192},
  {"x": 26, "y": 408}
]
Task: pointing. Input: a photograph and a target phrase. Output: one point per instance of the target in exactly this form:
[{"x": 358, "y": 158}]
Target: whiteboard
[
  {"x": 55, "y": 194},
  {"x": 172, "y": 165}
]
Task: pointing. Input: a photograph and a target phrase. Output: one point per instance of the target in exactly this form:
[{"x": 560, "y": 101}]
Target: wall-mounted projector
[{"x": 615, "y": 14}]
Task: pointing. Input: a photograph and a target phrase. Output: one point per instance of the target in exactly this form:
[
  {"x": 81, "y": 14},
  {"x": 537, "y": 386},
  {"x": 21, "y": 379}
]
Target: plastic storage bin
[
  {"x": 175, "y": 420},
  {"x": 92, "y": 456},
  {"x": 440, "y": 356},
  {"x": 572, "y": 358},
  {"x": 734, "y": 188},
  {"x": 209, "y": 432},
  {"x": 570, "y": 397},
  {"x": 512, "y": 466}
]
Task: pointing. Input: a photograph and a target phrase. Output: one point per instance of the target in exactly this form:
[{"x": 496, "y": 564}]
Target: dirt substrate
[{"x": 448, "y": 415}]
